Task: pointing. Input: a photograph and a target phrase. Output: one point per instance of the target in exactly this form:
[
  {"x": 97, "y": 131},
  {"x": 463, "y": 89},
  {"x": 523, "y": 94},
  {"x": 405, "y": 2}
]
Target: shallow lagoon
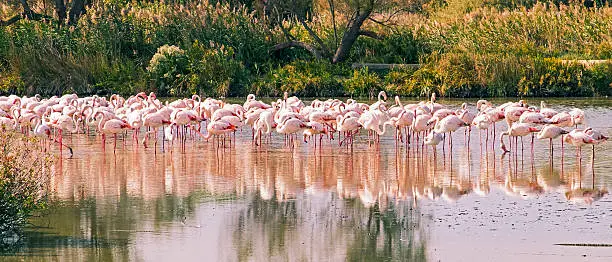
[{"x": 365, "y": 202}]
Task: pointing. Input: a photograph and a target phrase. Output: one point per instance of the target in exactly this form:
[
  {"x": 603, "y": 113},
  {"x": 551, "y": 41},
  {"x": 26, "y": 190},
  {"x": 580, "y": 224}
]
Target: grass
[{"x": 470, "y": 48}]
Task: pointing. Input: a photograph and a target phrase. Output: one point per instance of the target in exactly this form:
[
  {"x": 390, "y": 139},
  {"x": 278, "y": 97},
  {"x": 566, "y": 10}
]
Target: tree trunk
[
  {"x": 11, "y": 20},
  {"x": 27, "y": 12},
  {"x": 303, "y": 45},
  {"x": 60, "y": 10},
  {"x": 77, "y": 9},
  {"x": 351, "y": 35}
]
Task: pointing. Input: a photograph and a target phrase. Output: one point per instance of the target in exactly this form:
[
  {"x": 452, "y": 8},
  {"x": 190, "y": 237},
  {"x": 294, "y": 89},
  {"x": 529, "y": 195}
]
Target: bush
[
  {"x": 24, "y": 176},
  {"x": 600, "y": 77},
  {"x": 168, "y": 69},
  {"x": 397, "y": 48},
  {"x": 363, "y": 83},
  {"x": 549, "y": 77},
  {"x": 304, "y": 78},
  {"x": 482, "y": 75},
  {"x": 214, "y": 71}
]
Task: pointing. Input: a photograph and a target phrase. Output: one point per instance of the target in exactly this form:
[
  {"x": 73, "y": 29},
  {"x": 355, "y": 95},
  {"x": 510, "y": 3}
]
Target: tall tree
[
  {"x": 60, "y": 10},
  {"x": 348, "y": 18}
]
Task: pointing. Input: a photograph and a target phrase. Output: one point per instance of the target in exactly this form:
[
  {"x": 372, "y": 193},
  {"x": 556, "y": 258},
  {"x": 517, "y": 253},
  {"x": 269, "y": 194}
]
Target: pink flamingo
[
  {"x": 551, "y": 132},
  {"x": 111, "y": 126},
  {"x": 349, "y": 125},
  {"x": 516, "y": 130}
]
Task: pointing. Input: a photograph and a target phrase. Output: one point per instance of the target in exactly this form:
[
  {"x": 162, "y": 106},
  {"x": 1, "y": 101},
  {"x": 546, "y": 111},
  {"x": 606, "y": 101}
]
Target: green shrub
[
  {"x": 123, "y": 77},
  {"x": 549, "y": 77},
  {"x": 400, "y": 47},
  {"x": 24, "y": 178},
  {"x": 168, "y": 70},
  {"x": 310, "y": 79},
  {"x": 396, "y": 81},
  {"x": 363, "y": 83},
  {"x": 214, "y": 71},
  {"x": 600, "y": 76}
]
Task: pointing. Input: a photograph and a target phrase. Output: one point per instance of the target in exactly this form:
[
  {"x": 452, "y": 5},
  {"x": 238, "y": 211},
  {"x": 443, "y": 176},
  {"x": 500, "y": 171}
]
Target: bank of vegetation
[
  {"x": 473, "y": 48},
  {"x": 24, "y": 179}
]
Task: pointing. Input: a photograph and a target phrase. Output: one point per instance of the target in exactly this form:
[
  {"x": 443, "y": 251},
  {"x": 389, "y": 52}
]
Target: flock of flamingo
[{"x": 423, "y": 123}]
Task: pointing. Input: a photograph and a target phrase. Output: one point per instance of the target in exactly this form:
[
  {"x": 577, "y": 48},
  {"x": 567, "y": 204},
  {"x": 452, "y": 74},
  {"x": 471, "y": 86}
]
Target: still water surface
[{"x": 365, "y": 203}]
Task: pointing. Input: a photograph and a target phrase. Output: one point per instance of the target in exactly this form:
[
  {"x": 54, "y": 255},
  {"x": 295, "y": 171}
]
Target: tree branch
[
  {"x": 60, "y": 10},
  {"x": 332, "y": 10},
  {"x": 31, "y": 16},
  {"x": 314, "y": 35},
  {"x": 77, "y": 9},
  {"x": 303, "y": 45},
  {"x": 11, "y": 20},
  {"x": 370, "y": 34}
]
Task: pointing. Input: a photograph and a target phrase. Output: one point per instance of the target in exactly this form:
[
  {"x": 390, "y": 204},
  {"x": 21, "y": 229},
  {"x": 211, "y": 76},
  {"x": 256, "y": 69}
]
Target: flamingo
[
  {"x": 482, "y": 121},
  {"x": 468, "y": 117},
  {"x": 314, "y": 128},
  {"x": 154, "y": 121},
  {"x": 402, "y": 121},
  {"x": 218, "y": 128},
  {"x": 421, "y": 124},
  {"x": 434, "y": 138},
  {"x": 597, "y": 136},
  {"x": 547, "y": 112},
  {"x": 449, "y": 125},
  {"x": 62, "y": 123},
  {"x": 579, "y": 138},
  {"x": 563, "y": 119},
  {"x": 577, "y": 116},
  {"x": 516, "y": 130},
  {"x": 349, "y": 125},
  {"x": 291, "y": 126},
  {"x": 111, "y": 126},
  {"x": 551, "y": 132}
]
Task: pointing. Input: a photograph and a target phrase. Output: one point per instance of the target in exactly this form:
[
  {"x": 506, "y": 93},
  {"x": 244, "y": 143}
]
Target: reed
[{"x": 466, "y": 48}]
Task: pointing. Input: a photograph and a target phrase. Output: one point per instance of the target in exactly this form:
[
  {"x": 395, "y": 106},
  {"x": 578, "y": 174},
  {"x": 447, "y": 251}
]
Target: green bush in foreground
[{"x": 24, "y": 177}]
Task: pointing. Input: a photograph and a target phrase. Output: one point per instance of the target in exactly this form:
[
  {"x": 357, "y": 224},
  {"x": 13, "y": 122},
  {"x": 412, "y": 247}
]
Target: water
[{"x": 365, "y": 203}]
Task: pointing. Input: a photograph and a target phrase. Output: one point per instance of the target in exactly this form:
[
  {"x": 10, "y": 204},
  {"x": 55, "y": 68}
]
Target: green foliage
[
  {"x": 123, "y": 77},
  {"x": 317, "y": 78},
  {"x": 600, "y": 77},
  {"x": 544, "y": 30},
  {"x": 214, "y": 71},
  {"x": 552, "y": 78},
  {"x": 466, "y": 48},
  {"x": 363, "y": 82},
  {"x": 473, "y": 75},
  {"x": 168, "y": 70},
  {"x": 24, "y": 176},
  {"x": 399, "y": 47}
]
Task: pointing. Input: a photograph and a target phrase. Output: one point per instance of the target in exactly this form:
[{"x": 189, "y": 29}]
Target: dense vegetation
[
  {"x": 230, "y": 48},
  {"x": 24, "y": 177}
]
